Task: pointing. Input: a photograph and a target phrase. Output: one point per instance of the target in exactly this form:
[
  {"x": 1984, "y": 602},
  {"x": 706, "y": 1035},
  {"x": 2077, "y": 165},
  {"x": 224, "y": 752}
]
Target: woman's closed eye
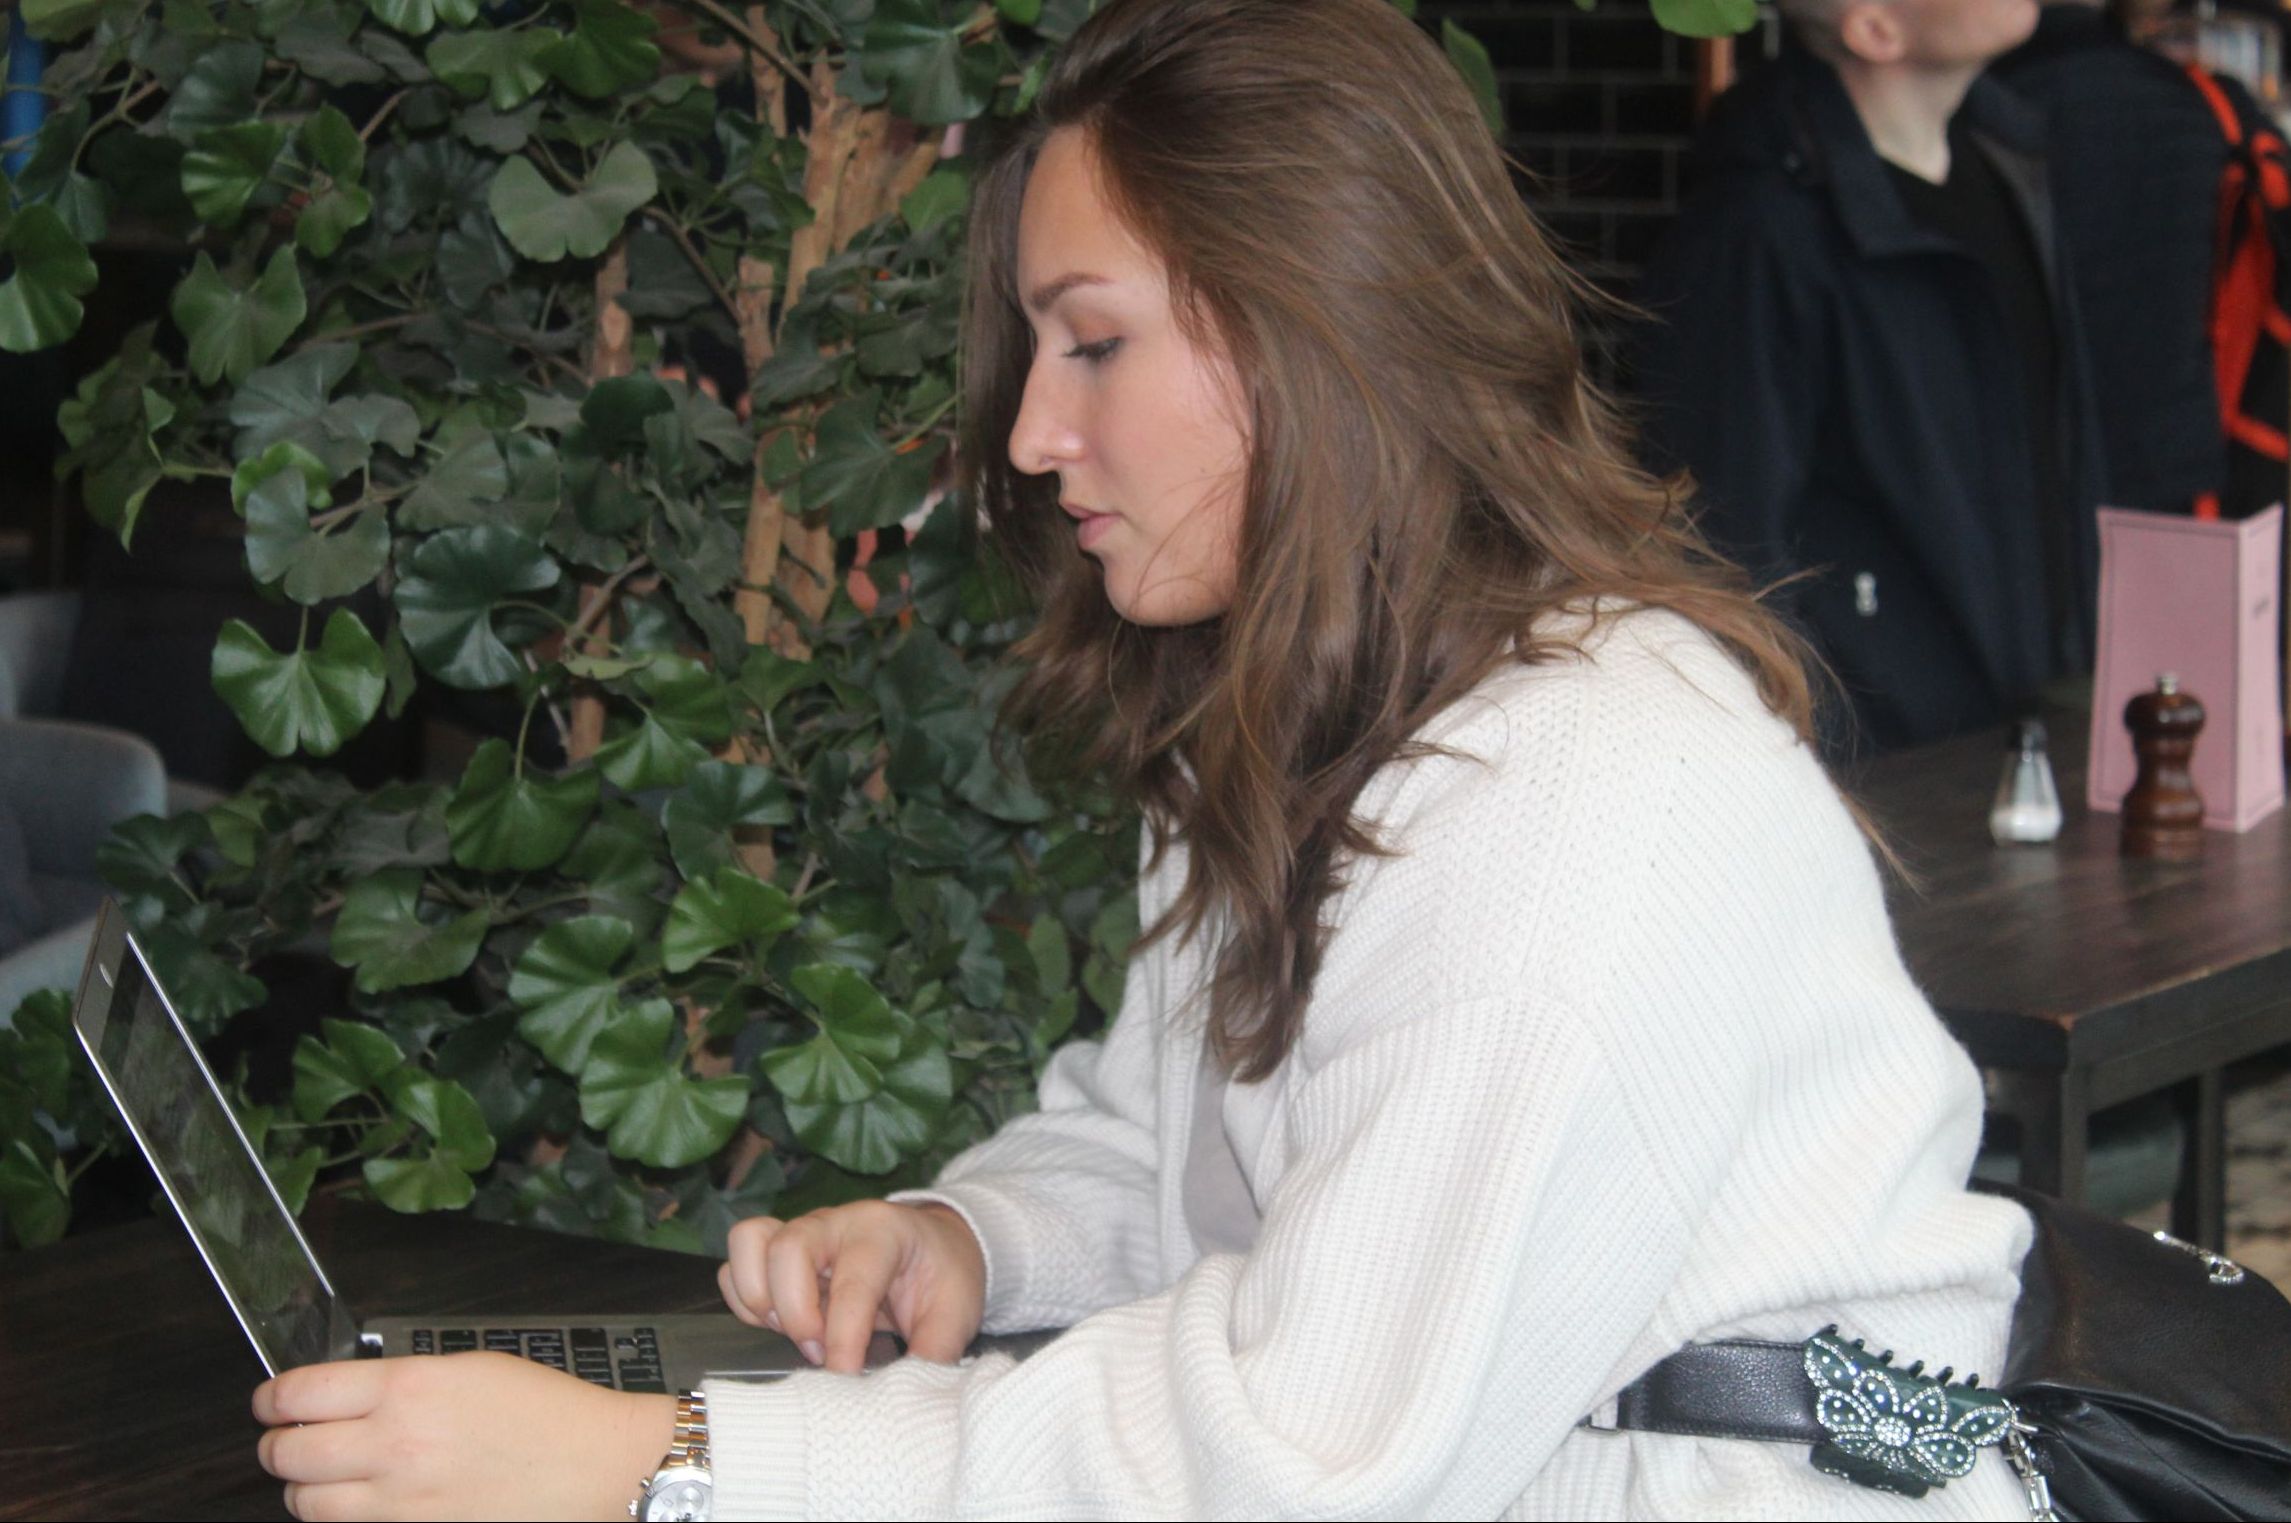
[{"x": 1094, "y": 353}]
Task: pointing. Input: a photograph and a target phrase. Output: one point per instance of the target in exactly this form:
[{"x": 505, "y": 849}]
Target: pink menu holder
[{"x": 2199, "y": 599}]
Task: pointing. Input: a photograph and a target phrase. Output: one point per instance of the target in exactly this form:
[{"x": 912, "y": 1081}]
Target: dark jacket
[
  {"x": 2137, "y": 158},
  {"x": 1841, "y": 383}
]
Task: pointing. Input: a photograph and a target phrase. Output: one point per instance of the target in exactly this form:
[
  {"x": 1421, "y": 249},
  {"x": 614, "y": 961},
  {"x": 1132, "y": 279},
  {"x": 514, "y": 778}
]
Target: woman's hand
[
  {"x": 457, "y": 1436},
  {"x": 831, "y": 1279}
]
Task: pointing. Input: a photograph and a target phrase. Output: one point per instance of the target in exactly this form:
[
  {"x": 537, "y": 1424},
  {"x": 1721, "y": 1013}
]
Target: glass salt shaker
[{"x": 2027, "y": 806}]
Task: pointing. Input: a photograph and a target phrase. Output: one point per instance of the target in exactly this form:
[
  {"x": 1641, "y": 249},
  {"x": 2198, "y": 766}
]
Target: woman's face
[{"x": 1141, "y": 426}]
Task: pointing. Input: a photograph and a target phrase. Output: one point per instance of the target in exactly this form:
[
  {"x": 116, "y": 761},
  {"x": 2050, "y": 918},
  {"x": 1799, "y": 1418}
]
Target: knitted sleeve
[{"x": 1386, "y": 1350}]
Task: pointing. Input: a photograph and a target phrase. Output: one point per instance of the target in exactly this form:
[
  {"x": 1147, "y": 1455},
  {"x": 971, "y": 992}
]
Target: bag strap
[
  {"x": 2254, "y": 192},
  {"x": 1735, "y": 1388}
]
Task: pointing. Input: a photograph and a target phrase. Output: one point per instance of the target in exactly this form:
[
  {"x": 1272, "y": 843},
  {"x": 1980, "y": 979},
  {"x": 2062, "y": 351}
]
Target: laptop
[{"x": 264, "y": 1266}]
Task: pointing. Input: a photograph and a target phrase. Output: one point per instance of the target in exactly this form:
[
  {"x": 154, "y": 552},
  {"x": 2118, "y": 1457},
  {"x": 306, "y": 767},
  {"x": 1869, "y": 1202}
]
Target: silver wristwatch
[{"x": 683, "y": 1487}]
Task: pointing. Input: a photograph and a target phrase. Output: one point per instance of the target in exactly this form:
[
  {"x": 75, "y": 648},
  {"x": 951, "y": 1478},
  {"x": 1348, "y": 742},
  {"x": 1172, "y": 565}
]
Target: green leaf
[
  {"x": 617, "y": 859},
  {"x": 873, "y": 1134},
  {"x": 312, "y": 699},
  {"x": 416, "y": 17},
  {"x": 767, "y": 678},
  {"x": 61, "y": 20},
  {"x": 219, "y": 90},
  {"x": 395, "y": 940},
  {"x": 943, "y": 193},
  {"x": 461, "y": 489},
  {"x": 858, "y": 477},
  {"x": 227, "y": 167},
  {"x": 1024, "y": 12},
  {"x": 353, "y": 1059},
  {"x": 1471, "y": 60},
  {"x": 233, "y": 330},
  {"x": 430, "y": 1181},
  {"x": 33, "y": 1197},
  {"x": 1706, "y": 18},
  {"x": 334, "y": 145},
  {"x": 920, "y": 59},
  {"x": 505, "y": 67},
  {"x": 1053, "y": 958},
  {"x": 40, "y": 302},
  {"x": 565, "y": 984},
  {"x": 237, "y": 825},
  {"x": 611, "y": 49},
  {"x": 542, "y": 224},
  {"x": 293, "y": 1177},
  {"x": 329, "y": 218},
  {"x": 720, "y": 797},
  {"x": 283, "y": 456},
  {"x": 505, "y": 817},
  {"x": 859, "y": 1033},
  {"x": 140, "y": 856},
  {"x": 649, "y": 755},
  {"x": 311, "y": 566},
  {"x": 1406, "y": 8},
  {"x": 318, "y": 43},
  {"x": 206, "y": 989},
  {"x": 687, "y": 697},
  {"x": 616, "y": 410},
  {"x": 729, "y": 909},
  {"x": 450, "y": 1114},
  {"x": 447, "y": 596},
  {"x": 657, "y": 1114},
  {"x": 286, "y": 402}
]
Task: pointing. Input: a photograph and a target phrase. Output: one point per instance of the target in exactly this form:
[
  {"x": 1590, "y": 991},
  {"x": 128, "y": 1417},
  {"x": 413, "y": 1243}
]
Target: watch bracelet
[{"x": 690, "y": 1445}]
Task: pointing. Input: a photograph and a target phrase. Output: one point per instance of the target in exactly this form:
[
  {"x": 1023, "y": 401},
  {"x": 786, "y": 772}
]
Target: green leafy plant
[{"x": 752, "y": 909}]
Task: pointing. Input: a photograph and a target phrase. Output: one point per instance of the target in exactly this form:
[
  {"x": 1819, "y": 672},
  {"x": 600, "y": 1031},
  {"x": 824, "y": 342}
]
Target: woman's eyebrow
[{"x": 1046, "y": 295}]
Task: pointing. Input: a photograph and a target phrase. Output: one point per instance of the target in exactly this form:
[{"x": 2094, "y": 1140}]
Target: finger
[
  {"x": 334, "y": 1499},
  {"x": 745, "y": 1250},
  {"x": 862, "y": 1275},
  {"x": 732, "y": 1297},
  {"x": 319, "y": 1453},
  {"x": 319, "y": 1393},
  {"x": 799, "y": 1253},
  {"x": 942, "y": 1331}
]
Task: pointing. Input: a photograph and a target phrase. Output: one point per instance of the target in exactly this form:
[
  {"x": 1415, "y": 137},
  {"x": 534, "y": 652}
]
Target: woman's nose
[{"x": 1040, "y": 438}]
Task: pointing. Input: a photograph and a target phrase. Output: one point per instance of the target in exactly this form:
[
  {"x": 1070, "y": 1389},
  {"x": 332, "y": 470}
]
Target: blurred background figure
[
  {"x": 2164, "y": 177},
  {"x": 1864, "y": 348}
]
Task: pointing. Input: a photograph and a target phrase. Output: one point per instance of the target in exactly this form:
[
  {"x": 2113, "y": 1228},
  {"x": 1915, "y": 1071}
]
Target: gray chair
[{"x": 63, "y": 787}]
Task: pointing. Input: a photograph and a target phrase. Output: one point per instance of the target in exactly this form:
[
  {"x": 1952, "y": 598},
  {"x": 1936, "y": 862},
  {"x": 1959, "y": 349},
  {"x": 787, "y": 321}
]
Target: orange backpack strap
[{"x": 2245, "y": 309}]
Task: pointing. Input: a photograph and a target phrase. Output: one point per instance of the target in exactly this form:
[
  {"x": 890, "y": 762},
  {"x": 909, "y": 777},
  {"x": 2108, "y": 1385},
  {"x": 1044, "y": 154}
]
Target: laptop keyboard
[{"x": 627, "y": 1361}]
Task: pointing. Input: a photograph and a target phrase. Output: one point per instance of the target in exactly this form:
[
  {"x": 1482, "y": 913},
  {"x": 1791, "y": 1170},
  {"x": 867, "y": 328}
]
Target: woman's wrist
[{"x": 648, "y": 1427}]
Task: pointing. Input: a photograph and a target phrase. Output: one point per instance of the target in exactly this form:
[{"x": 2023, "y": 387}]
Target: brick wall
[{"x": 1601, "y": 107}]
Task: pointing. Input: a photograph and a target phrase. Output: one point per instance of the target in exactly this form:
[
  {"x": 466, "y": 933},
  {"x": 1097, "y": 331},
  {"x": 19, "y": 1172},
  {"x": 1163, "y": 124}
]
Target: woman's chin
[{"x": 1164, "y": 606}]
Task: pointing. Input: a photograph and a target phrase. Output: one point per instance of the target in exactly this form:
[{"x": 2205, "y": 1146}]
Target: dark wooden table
[
  {"x": 124, "y": 1381},
  {"x": 2078, "y": 977}
]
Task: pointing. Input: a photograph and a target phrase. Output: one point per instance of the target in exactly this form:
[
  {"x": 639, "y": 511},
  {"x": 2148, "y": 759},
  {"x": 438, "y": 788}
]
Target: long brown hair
[{"x": 1430, "y": 471}]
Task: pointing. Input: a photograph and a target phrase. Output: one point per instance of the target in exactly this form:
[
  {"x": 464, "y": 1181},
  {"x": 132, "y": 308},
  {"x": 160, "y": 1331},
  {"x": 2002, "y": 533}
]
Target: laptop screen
[{"x": 242, "y": 1230}]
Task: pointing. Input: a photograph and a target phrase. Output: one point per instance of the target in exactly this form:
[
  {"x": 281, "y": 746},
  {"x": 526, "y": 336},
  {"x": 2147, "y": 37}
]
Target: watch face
[{"x": 680, "y": 1494}]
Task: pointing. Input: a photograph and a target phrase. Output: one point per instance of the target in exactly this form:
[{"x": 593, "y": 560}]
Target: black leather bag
[
  {"x": 2157, "y": 1379},
  {"x": 2158, "y": 1388}
]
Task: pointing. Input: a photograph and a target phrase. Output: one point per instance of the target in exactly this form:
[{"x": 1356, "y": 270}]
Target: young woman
[{"x": 1519, "y": 1003}]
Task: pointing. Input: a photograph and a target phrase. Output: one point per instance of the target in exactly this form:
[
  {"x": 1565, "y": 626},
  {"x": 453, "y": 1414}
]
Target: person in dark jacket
[
  {"x": 2137, "y": 159},
  {"x": 1863, "y": 348}
]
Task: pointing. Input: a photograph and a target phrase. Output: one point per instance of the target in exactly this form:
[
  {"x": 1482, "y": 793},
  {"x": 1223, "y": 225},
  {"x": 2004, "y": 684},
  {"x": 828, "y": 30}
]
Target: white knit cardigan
[{"x": 1616, "y": 1052}]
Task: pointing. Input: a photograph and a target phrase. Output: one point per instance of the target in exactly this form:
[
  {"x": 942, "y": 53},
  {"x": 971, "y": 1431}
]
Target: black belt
[{"x": 1738, "y": 1388}]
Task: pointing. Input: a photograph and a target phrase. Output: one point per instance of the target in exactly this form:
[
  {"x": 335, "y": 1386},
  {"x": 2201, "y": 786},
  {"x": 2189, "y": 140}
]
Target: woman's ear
[{"x": 1872, "y": 31}]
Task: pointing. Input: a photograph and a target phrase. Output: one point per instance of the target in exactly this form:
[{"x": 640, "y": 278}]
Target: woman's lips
[{"x": 1089, "y": 527}]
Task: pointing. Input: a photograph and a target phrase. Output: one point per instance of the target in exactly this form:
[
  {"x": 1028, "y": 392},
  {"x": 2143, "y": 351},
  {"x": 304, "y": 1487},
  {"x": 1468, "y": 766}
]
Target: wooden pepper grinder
[{"x": 2163, "y": 816}]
